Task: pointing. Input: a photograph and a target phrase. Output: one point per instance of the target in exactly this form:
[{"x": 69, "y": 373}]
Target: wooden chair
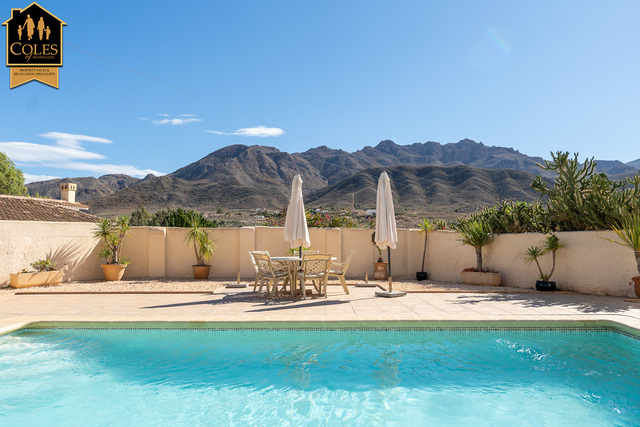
[
  {"x": 315, "y": 267},
  {"x": 339, "y": 270},
  {"x": 258, "y": 271},
  {"x": 266, "y": 271}
]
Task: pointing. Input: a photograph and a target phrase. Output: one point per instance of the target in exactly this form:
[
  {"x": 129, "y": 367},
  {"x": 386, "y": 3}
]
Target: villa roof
[{"x": 17, "y": 208}]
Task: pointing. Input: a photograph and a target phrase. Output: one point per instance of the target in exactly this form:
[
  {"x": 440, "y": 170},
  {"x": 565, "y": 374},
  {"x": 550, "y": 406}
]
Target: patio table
[{"x": 291, "y": 260}]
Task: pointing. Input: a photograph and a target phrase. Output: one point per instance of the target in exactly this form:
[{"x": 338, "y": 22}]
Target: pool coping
[{"x": 423, "y": 325}]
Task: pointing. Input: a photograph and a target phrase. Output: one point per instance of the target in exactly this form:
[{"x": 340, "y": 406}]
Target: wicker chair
[
  {"x": 315, "y": 267},
  {"x": 340, "y": 269},
  {"x": 266, "y": 271}
]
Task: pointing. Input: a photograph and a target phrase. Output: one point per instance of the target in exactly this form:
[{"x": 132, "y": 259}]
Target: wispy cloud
[
  {"x": 35, "y": 178},
  {"x": 66, "y": 153},
  {"x": 180, "y": 119},
  {"x": 176, "y": 121},
  {"x": 73, "y": 140},
  {"x": 67, "y": 147},
  {"x": 259, "y": 131},
  {"x": 105, "y": 168}
]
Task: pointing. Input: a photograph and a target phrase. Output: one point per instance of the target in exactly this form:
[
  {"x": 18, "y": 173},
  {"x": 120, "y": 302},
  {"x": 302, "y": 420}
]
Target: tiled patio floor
[{"x": 240, "y": 305}]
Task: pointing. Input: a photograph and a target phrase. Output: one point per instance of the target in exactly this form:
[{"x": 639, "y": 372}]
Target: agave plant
[
  {"x": 629, "y": 233},
  {"x": 202, "y": 245},
  {"x": 476, "y": 234},
  {"x": 425, "y": 227},
  {"x": 551, "y": 243},
  {"x": 113, "y": 232}
]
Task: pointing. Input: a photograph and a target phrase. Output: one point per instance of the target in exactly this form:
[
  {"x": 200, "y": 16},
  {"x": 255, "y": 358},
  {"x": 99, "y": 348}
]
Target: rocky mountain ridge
[{"x": 260, "y": 176}]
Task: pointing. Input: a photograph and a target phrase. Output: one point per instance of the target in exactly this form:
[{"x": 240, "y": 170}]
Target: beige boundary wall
[{"x": 588, "y": 264}]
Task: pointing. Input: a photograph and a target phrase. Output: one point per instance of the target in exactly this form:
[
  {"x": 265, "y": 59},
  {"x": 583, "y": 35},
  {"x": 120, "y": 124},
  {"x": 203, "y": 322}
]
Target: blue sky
[{"x": 149, "y": 87}]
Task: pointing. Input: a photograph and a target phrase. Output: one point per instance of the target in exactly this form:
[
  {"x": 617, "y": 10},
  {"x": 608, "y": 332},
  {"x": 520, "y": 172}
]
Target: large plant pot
[
  {"x": 25, "y": 280},
  {"x": 545, "y": 286},
  {"x": 201, "y": 272},
  {"x": 636, "y": 285},
  {"x": 113, "y": 272},
  {"x": 480, "y": 278},
  {"x": 421, "y": 275},
  {"x": 380, "y": 271}
]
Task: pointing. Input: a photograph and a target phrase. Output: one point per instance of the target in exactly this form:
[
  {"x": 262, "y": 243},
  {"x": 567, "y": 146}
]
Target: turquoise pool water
[{"x": 318, "y": 377}]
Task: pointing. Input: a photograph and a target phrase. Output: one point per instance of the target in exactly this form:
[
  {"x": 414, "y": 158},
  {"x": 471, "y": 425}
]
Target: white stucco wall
[{"x": 588, "y": 264}]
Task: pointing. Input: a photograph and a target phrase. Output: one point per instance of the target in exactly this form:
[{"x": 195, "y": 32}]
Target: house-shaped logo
[{"x": 34, "y": 45}]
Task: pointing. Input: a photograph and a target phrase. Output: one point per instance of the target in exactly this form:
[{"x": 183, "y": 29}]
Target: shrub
[{"x": 43, "y": 265}]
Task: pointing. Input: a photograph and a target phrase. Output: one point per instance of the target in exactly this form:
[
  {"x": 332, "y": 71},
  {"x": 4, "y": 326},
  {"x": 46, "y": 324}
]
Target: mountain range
[{"x": 466, "y": 174}]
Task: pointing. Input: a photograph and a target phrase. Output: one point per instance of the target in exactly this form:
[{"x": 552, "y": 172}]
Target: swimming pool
[{"x": 319, "y": 376}]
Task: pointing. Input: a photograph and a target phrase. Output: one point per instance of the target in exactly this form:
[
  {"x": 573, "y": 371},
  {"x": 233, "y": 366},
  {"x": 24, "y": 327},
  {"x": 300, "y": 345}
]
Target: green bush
[
  {"x": 170, "y": 218},
  {"x": 579, "y": 199},
  {"x": 314, "y": 219}
]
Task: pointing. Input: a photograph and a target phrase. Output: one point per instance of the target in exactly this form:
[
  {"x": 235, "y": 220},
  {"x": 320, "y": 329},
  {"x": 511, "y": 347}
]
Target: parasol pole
[{"x": 389, "y": 262}]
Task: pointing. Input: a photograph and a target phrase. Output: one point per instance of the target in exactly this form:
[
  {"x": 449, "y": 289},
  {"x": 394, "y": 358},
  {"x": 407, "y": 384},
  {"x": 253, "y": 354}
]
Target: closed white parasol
[
  {"x": 386, "y": 233},
  {"x": 296, "y": 231}
]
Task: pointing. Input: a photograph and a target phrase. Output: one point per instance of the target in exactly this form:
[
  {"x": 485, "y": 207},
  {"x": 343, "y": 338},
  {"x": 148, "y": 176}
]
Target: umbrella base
[
  {"x": 366, "y": 285},
  {"x": 388, "y": 294}
]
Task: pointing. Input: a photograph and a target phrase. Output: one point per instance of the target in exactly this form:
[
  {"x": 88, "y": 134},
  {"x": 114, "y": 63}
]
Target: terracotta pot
[
  {"x": 545, "y": 286},
  {"x": 480, "y": 278},
  {"x": 25, "y": 280},
  {"x": 113, "y": 272},
  {"x": 380, "y": 271},
  {"x": 201, "y": 272},
  {"x": 421, "y": 275},
  {"x": 636, "y": 285}
]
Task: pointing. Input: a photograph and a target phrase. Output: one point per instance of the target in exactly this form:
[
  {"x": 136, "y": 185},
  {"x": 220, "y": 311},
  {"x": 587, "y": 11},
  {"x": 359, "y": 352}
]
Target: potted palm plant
[
  {"x": 629, "y": 233},
  {"x": 551, "y": 243},
  {"x": 478, "y": 235},
  {"x": 113, "y": 232},
  {"x": 202, "y": 246},
  {"x": 425, "y": 227}
]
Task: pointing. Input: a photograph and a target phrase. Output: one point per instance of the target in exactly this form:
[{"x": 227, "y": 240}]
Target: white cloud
[
  {"x": 72, "y": 140},
  {"x": 29, "y": 153},
  {"x": 66, "y": 153},
  {"x": 176, "y": 122},
  {"x": 28, "y": 178},
  {"x": 105, "y": 169},
  {"x": 259, "y": 131},
  {"x": 181, "y": 119}
]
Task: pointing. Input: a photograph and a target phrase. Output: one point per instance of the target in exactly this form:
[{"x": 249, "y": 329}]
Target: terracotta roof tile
[
  {"x": 15, "y": 208},
  {"x": 56, "y": 202}
]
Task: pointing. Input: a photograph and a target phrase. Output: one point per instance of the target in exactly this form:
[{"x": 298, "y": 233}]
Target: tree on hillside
[{"x": 11, "y": 178}]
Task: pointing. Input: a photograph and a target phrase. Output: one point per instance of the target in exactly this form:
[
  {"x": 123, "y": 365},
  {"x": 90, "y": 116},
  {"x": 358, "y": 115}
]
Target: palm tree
[
  {"x": 551, "y": 244},
  {"x": 476, "y": 234},
  {"x": 202, "y": 245},
  {"x": 629, "y": 233},
  {"x": 113, "y": 231},
  {"x": 425, "y": 227}
]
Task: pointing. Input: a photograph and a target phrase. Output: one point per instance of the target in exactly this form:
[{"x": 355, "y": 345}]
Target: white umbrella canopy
[
  {"x": 386, "y": 233},
  {"x": 296, "y": 231}
]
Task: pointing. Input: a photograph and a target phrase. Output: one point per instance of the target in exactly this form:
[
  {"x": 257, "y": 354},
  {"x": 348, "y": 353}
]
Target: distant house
[{"x": 18, "y": 208}]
